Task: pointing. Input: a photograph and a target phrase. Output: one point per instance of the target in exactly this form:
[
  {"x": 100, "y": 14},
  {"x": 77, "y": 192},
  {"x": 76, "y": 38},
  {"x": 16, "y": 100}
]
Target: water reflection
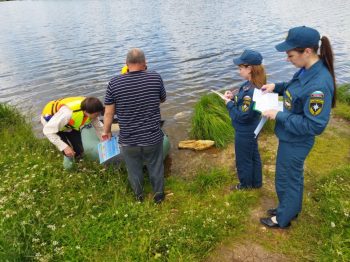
[{"x": 51, "y": 49}]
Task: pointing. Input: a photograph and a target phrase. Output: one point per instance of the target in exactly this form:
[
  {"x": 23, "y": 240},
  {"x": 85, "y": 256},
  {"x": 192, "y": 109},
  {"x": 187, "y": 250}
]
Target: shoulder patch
[
  {"x": 246, "y": 103},
  {"x": 316, "y": 103}
]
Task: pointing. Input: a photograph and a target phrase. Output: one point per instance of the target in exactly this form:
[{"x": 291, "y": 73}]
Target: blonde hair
[{"x": 258, "y": 75}]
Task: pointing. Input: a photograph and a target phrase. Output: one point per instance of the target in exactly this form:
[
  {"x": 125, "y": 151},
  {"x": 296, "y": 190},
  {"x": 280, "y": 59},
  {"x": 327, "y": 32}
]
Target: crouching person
[{"x": 63, "y": 119}]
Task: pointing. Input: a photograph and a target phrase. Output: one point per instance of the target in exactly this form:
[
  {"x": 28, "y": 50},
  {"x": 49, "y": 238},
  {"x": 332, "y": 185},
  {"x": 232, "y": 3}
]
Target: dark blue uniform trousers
[
  {"x": 248, "y": 160},
  {"x": 289, "y": 180}
]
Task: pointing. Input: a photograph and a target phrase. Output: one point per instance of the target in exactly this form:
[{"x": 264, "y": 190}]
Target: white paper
[
  {"x": 266, "y": 101},
  {"x": 108, "y": 149},
  {"x": 260, "y": 126},
  {"x": 221, "y": 95},
  {"x": 280, "y": 106}
]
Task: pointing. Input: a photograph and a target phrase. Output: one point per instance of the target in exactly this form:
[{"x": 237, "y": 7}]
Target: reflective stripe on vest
[{"x": 77, "y": 120}]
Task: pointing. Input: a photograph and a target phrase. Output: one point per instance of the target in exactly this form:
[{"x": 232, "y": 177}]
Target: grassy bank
[
  {"x": 342, "y": 108},
  {"x": 89, "y": 214}
]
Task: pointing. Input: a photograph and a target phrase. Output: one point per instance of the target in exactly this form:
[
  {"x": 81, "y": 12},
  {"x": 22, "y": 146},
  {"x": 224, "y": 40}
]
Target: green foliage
[
  {"x": 322, "y": 233},
  {"x": 332, "y": 195},
  {"x": 343, "y": 94},
  {"x": 342, "y": 110},
  {"x": 269, "y": 127},
  {"x": 211, "y": 121},
  {"x": 207, "y": 180},
  {"x": 90, "y": 214},
  {"x": 10, "y": 116}
]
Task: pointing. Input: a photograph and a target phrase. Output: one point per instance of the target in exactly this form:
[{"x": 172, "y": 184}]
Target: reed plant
[
  {"x": 211, "y": 121},
  {"x": 343, "y": 94}
]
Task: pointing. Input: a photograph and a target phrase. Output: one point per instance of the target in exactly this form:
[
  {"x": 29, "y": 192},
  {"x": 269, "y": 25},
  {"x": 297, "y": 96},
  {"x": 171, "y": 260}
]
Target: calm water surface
[{"x": 51, "y": 49}]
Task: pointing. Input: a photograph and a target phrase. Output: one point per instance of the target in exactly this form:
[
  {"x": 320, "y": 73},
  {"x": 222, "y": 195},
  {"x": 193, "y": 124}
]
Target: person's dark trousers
[
  {"x": 248, "y": 160},
  {"x": 73, "y": 138},
  {"x": 135, "y": 157},
  {"x": 289, "y": 180}
]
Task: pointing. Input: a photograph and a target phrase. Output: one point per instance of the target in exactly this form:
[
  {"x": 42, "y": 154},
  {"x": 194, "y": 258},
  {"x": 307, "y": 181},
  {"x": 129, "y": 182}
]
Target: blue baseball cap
[
  {"x": 248, "y": 57},
  {"x": 301, "y": 36}
]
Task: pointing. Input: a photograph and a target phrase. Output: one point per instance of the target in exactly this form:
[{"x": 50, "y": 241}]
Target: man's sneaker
[{"x": 158, "y": 198}]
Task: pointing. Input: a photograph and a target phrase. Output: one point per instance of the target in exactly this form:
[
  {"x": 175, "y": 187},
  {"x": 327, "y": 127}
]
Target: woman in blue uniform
[
  {"x": 308, "y": 98},
  {"x": 245, "y": 119}
]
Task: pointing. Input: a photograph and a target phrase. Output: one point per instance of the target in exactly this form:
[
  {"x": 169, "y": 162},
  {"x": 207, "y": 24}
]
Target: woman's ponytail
[{"x": 326, "y": 54}]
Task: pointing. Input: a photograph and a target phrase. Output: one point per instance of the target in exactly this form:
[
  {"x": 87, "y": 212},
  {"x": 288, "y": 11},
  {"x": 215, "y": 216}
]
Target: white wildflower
[{"x": 52, "y": 227}]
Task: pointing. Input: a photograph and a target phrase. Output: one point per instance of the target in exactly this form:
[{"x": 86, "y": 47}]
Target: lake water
[{"x": 51, "y": 49}]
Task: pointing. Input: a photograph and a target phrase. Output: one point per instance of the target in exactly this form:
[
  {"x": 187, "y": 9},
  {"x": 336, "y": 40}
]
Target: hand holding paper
[
  {"x": 108, "y": 149},
  {"x": 266, "y": 101},
  {"x": 221, "y": 95},
  {"x": 268, "y": 105}
]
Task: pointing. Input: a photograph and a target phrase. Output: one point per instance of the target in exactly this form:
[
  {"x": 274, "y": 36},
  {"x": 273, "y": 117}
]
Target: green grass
[
  {"x": 211, "y": 121},
  {"x": 342, "y": 108},
  {"x": 322, "y": 233},
  {"x": 89, "y": 214},
  {"x": 333, "y": 195},
  {"x": 343, "y": 94}
]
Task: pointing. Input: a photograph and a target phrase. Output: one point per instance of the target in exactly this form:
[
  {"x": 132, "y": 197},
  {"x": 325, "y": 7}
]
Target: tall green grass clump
[
  {"x": 343, "y": 93},
  {"x": 211, "y": 121},
  {"x": 342, "y": 108},
  {"x": 10, "y": 117}
]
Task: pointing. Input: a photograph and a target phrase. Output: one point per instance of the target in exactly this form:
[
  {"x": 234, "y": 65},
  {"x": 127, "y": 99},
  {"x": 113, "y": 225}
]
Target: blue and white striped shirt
[{"x": 137, "y": 97}]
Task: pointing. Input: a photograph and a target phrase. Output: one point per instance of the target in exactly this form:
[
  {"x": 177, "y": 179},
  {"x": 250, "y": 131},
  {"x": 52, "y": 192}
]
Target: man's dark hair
[
  {"x": 92, "y": 105},
  {"x": 135, "y": 56}
]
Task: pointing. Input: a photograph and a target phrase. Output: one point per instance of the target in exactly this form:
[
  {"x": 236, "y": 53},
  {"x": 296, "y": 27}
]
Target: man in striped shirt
[{"x": 135, "y": 97}]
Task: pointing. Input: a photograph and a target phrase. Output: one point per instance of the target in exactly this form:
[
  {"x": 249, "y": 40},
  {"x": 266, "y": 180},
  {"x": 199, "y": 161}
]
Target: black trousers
[{"x": 73, "y": 138}]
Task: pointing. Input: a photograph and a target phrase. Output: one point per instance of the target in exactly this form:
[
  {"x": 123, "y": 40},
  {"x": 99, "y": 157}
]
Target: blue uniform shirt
[
  {"x": 307, "y": 102},
  {"x": 244, "y": 118}
]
